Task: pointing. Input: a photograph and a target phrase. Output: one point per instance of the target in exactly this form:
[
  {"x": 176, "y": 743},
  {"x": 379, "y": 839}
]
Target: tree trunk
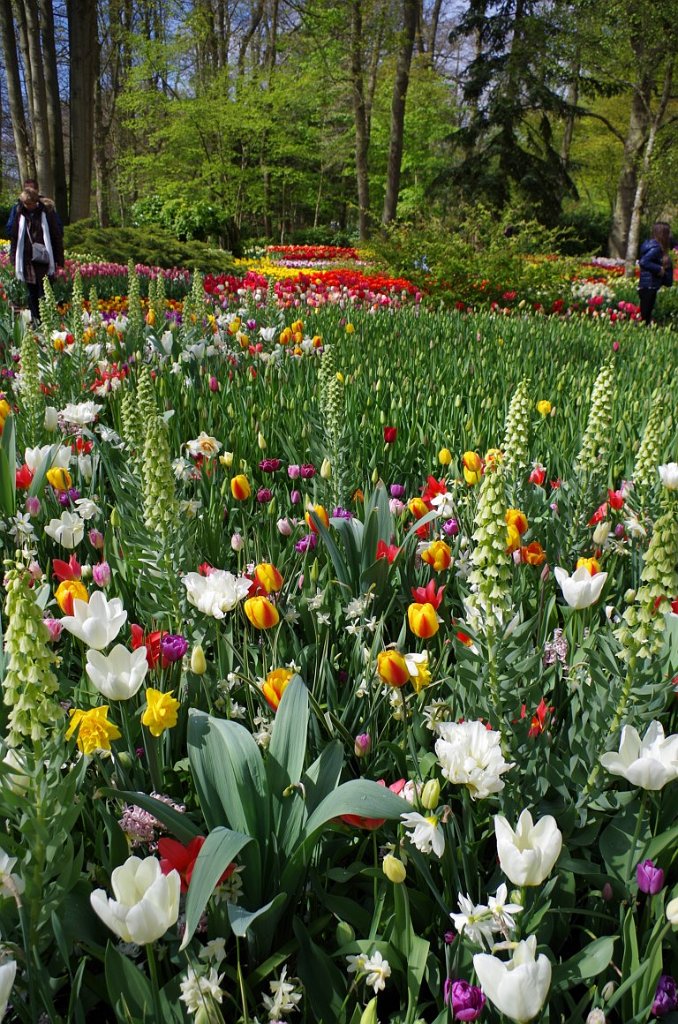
[
  {"x": 360, "y": 119},
  {"x": 400, "y": 85},
  {"x": 54, "y": 125},
  {"x": 641, "y": 187},
  {"x": 432, "y": 33},
  {"x": 636, "y": 138},
  {"x": 22, "y": 141},
  {"x": 82, "y": 34},
  {"x": 101, "y": 165},
  {"x": 39, "y": 111}
]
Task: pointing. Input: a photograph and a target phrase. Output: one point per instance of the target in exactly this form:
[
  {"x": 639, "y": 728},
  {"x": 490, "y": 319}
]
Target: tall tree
[
  {"x": 54, "y": 123},
  {"x": 83, "y": 42},
  {"x": 410, "y": 10},
  {"x": 360, "y": 115},
  {"x": 22, "y": 139}
]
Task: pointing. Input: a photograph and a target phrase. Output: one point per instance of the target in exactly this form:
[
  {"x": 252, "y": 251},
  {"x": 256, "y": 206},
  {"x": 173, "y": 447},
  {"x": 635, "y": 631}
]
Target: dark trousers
[
  {"x": 35, "y": 293},
  {"x": 648, "y": 297}
]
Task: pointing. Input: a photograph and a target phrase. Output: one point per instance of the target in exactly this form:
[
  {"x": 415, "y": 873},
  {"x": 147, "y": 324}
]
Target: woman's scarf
[{"x": 47, "y": 241}]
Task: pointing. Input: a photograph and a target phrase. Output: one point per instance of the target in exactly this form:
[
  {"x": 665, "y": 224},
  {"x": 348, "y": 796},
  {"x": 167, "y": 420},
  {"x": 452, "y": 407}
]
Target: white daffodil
[
  {"x": 503, "y": 912},
  {"x": 98, "y": 622},
  {"x": 470, "y": 755},
  {"x": 518, "y": 988},
  {"x": 217, "y": 593},
  {"x": 475, "y": 921},
  {"x": 424, "y": 833},
  {"x": 581, "y": 589},
  {"x": 118, "y": 675},
  {"x": 377, "y": 970},
  {"x": 528, "y": 854},
  {"x": 204, "y": 445},
  {"x": 649, "y": 763},
  {"x": 7, "y": 975}
]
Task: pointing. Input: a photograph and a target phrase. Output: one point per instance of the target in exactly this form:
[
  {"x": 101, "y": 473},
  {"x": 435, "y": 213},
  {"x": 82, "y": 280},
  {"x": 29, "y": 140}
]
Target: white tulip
[
  {"x": 7, "y": 975},
  {"x": 118, "y": 675},
  {"x": 649, "y": 763},
  {"x": 217, "y": 593},
  {"x": 67, "y": 531},
  {"x": 470, "y": 755},
  {"x": 581, "y": 589},
  {"x": 668, "y": 474},
  {"x": 518, "y": 988},
  {"x": 51, "y": 419},
  {"x": 672, "y": 912},
  {"x": 98, "y": 623},
  {"x": 146, "y": 901},
  {"x": 81, "y": 413},
  {"x": 528, "y": 854},
  {"x": 49, "y": 455}
]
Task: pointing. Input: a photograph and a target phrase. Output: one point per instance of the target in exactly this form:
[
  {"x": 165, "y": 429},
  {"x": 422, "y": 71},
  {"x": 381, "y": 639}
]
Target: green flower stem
[
  {"x": 154, "y": 768},
  {"x": 155, "y": 986},
  {"x": 636, "y": 834},
  {"x": 616, "y": 721},
  {"x": 241, "y": 983}
]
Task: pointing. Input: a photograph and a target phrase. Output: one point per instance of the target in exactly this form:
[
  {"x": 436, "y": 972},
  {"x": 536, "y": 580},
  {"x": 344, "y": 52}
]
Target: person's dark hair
[
  {"x": 661, "y": 232},
  {"x": 31, "y": 183},
  {"x": 29, "y": 197}
]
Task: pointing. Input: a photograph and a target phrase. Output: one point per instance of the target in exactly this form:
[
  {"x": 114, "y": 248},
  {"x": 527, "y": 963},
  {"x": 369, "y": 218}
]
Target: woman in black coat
[
  {"x": 656, "y": 268},
  {"x": 36, "y": 225}
]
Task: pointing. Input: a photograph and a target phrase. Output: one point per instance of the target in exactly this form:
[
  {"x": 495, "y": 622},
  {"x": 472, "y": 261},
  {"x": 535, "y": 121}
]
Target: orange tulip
[
  {"x": 321, "y": 515},
  {"x": 423, "y": 620},
  {"x": 268, "y": 577},
  {"x": 261, "y": 613},
  {"x": 438, "y": 555},
  {"x": 392, "y": 668},
  {"x": 69, "y": 591},
  {"x": 591, "y": 564},
  {"x": 417, "y": 507},
  {"x": 275, "y": 685},
  {"x": 533, "y": 554},
  {"x": 240, "y": 487},
  {"x": 512, "y": 539},
  {"x": 514, "y": 517}
]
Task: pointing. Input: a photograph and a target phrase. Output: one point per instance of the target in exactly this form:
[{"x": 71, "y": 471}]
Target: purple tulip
[
  {"x": 649, "y": 877},
  {"x": 342, "y": 513},
  {"x": 451, "y": 528},
  {"x": 666, "y": 996},
  {"x": 307, "y": 471},
  {"x": 362, "y": 745},
  {"x": 306, "y": 543},
  {"x": 294, "y": 471},
  {"x": 33, "y": 505},
  {"x": 264, "y": 495},
  {"x": 397, "y": 491},
  {"x": 467, "y": 1001},
  {"x": 101, "y": 574},
  {"x": 295, "y": 497},
  {"x": 269, "y": 465},
  {"x": 173, "y": 646}
]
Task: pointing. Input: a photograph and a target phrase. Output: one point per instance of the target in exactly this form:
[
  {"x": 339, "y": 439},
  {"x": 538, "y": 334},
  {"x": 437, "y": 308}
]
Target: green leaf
[
  {"x": 587, "y": 963},
  {"x": 128, "y": 988},
  {"x": 338, "y": 561},
  {"x": 324, "y": 982},
  {"x": 359, "y": 796},
  {"x": 287, "y": 748},
  {"x": 229, "y": 775},
  {"x": 8, "y": 468},
  {"x": 242, "y": 920},
  {"x": 218, "y": 851}
]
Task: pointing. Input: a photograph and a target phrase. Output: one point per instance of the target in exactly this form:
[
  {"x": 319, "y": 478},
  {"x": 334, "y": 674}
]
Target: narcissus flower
[
  {"x": 261, "y": 613},
  {"x": 275, "y": 685},
  {"x": 438, "y": 555},
  {"x": 67, "y": 592},
  {"x": 472, "y": 466},
  {"x": 240, "y": 487},
  {"x": 320, "y": 513},
  {"x": 94, "y": 731},
  {"x": 423, "y": 620},
  {"x": 392, "y": 668},
  {"x": 417, "y": 666},
  {"x": 161, "y": 711}
]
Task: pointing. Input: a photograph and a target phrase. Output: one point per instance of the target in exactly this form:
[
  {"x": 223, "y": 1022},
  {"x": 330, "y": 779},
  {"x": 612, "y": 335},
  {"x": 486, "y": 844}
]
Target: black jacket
[{"x": 653, "y": 274}]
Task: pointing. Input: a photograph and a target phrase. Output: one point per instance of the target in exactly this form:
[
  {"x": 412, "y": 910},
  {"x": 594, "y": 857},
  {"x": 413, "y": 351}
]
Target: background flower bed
[{"x": 392, "y": 396}]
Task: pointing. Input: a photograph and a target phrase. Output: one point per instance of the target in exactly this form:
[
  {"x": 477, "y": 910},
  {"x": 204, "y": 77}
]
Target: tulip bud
[
  {"x": 284, "y": 527},
  {"x": 394, "y": 869},
  {"x": 369, "y": 1014},
  {"x": 226, "y": 459},
  {"x": 362, "y": 745},
  {"x": 261, "y": 441},
  {"x": 430, "y": 795},
  {"x": 596, "y": 1016},
  {"x": 444, "y": 456},
  {"x": 375, "y": 475},
  {"x": 608, "y": 990},
  {"x": 115, "y": 518},
  {"x": 237, "y": 542},
  {"x": 630, "y": 596},
  {"x": 198, "y": 662},
  {"x": 344, "y": 933},
  {"x": 314, "y": 571},
  {"x": 51, "y": 418},
  {"x": 326, "y": 469},
  {"x": 601, "y": 533},
  {"x": 650, "y": 878}
]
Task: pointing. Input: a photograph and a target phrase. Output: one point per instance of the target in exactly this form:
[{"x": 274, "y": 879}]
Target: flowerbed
[{"x": 342, "y": 649}]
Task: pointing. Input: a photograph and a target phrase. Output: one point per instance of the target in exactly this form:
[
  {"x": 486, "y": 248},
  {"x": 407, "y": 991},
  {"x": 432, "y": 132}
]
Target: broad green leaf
[
  {"x": 341, "y": 567},
  {"x": 359, "y": 796},
  {"x": 587, "y": 963},
  {"x": 241, "y": 920},
  {"x": 287, "y": 749},
  {"x": 128, "y": 988},
  {"x": 218, "y": 851},
  {"x": 323, "y": 981}
]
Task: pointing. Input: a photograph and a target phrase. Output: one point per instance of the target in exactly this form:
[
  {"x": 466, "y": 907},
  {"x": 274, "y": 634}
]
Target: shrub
[{"x": 154, "y": 247}]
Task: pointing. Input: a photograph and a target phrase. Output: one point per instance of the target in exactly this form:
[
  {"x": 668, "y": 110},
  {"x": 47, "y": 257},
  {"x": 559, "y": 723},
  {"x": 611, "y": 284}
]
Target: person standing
[
  {"x": 36, "y": 246},
  {"x": 656, "y": 268},
  {"x": 48, "y": 204}
]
